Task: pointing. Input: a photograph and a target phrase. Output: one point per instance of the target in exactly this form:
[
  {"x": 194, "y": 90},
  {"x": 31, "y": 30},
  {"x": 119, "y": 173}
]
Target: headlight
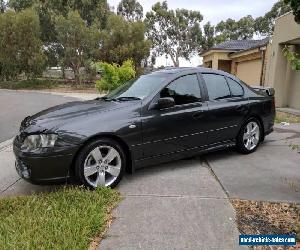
[{"x": 33, "y": 142}]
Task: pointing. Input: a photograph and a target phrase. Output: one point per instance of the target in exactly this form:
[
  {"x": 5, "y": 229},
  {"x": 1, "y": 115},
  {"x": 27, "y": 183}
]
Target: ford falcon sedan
[{"x": 162, "y": 116}]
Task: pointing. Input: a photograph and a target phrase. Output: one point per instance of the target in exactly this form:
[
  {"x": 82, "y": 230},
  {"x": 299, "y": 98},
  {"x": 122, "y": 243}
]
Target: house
[
  {"x": 279, "y": 73},
  {"x": 262, "y": 62},
  {"x": 239, "y": 57}
]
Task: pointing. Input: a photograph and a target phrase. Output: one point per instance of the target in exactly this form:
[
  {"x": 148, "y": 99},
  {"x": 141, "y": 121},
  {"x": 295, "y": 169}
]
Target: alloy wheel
[
  {"x": 251, "y": 135},
  {"x": 102, "y": 166}
]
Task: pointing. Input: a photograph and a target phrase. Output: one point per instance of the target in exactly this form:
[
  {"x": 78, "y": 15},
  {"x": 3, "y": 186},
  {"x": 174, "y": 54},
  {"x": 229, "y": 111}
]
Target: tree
[
  {"x": 20, "y": 45},
  {"x": 91, "y": 11},
  {"x": 131, "y": 10},
  {"x": 9, "y": 66},
  {"x": 77, "y": 41},
  {"x": 122, "y": 40},
  {"x": 264, "y": 25},
  {"x": 245, "y": 27},
  {"x": 295, "y": 6},
  {"x": 30, "y": 53},
  {"x": 19, "y": 5},
  {"x": 235, "y": 30},
  {"x": 174, "y": 33},
  {"x": 226, "y": 30},
  {"x": 208, "y": 39}
]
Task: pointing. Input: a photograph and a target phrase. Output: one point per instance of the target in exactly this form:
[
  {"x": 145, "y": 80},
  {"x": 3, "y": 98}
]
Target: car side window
[
  {"x": 217, "y": 86},
  {"x": 235, "y": 88},
  {"x": 184, "y": 90}
]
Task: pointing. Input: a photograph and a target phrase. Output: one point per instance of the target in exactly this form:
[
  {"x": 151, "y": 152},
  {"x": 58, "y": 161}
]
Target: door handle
[{"x": 198, "y": 114}]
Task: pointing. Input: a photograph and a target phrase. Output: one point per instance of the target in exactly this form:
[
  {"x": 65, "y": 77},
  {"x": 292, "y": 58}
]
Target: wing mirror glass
[{"x": 165, "y": 102}]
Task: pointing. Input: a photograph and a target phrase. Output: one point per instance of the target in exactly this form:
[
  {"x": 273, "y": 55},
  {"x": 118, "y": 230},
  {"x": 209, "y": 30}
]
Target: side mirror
[{"x": 165, "y": 102}]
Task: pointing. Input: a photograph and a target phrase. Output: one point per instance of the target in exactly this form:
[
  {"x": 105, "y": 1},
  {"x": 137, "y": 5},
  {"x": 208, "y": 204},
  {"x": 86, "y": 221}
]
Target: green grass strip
[{"x": 69, "y": 218}]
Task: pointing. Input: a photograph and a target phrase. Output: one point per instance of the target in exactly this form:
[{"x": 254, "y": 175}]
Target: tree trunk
[
  {"x": 175, "y": 60},
  {"x": 76, "y": 75},
  {"x": 63, "y": 70}
]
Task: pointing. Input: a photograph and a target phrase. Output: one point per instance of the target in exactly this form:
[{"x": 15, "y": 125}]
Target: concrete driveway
[
  {"x": 272, "y": 173},
  {"x": 178, "y": 205}
]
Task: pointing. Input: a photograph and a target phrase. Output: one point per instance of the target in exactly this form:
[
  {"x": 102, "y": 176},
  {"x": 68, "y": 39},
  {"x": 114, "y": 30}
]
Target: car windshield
[{"x": 137, "y": 89}]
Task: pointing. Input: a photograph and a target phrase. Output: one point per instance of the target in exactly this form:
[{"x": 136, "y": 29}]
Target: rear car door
[
  {"x": 178, "y": 128},
  {"x": 227, "y": 107}
]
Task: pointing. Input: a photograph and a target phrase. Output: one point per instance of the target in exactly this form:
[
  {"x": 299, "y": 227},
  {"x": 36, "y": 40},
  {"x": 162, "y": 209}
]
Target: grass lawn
[
  {"x": 285, "y": 117},
  {"x": 69, "y": 218}
]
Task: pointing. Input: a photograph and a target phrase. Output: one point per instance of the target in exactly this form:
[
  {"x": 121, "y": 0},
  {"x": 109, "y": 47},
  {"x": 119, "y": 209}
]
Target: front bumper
[{"x": 44, "y": 168}]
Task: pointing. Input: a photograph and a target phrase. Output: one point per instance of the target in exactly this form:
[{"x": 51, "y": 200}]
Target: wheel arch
[{"x": 119, "y": 140}]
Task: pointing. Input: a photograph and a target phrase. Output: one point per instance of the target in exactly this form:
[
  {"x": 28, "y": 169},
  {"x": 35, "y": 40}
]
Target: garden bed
[{"x": 257, "y": 217}]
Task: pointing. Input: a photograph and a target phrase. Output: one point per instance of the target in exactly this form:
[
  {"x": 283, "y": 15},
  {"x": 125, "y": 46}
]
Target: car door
[
  {"x": 227, "y": 107},
  {"x": 178, "y": 128}
]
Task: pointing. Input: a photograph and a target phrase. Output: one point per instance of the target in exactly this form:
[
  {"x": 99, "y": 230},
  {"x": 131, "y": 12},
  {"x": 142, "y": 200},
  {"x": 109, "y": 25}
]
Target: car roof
[
  {"x": 173, "y": 70},
  {"x": 187, "y": 70}
]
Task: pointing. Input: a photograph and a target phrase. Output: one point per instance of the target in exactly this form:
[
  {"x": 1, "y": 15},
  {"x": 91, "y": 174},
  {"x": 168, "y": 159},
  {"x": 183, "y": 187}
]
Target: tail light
[{"x": 273, "y": 103}]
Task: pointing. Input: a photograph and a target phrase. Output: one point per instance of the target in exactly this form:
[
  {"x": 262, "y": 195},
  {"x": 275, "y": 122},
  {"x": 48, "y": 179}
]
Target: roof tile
[{"x": 238, "y": 45}]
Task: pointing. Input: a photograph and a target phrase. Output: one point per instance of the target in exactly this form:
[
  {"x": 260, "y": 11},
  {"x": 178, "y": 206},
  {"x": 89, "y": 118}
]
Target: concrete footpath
[{"x": 178, "y": 205}]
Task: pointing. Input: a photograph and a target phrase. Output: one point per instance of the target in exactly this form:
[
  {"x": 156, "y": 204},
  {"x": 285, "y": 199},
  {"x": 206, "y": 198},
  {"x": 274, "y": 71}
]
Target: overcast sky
[{"x": 213, "y": 11}]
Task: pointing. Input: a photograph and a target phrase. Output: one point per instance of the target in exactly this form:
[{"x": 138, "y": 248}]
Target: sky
[{"x": 213, "y": 11}]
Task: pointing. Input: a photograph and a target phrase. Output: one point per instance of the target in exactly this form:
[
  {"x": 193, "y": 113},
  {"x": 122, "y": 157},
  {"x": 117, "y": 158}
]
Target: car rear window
[
  {"x": 235, "y": 88},
  {"x": 217, "y": 86}
]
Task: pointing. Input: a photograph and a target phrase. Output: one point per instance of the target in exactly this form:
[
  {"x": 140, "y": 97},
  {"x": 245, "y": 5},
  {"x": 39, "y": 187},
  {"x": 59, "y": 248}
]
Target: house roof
[{"x": 239, "y": 45}]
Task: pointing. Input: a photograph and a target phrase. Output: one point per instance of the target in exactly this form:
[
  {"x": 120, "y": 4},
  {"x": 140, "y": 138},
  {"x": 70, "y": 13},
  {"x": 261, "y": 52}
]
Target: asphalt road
[{"x": 16, "y": 105}]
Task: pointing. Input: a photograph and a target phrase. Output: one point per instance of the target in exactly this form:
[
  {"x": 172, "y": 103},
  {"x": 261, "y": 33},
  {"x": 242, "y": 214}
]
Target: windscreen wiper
[
  {"x": 105, "y": 98},
  {"x": 123, "y": 98},
  {"x": 128, "y": 98}
]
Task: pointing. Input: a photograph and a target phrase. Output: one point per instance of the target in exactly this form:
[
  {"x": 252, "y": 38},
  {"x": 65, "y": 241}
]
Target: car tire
[
  {"x": 249, "y": 136},
  {"x": 100, "y": 163}
]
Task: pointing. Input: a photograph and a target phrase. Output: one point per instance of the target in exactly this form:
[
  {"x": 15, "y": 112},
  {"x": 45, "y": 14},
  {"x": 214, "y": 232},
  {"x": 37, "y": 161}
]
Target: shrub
[
  {"x": 113, "y": 75},
  {"x": 292, "y": 57}
]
